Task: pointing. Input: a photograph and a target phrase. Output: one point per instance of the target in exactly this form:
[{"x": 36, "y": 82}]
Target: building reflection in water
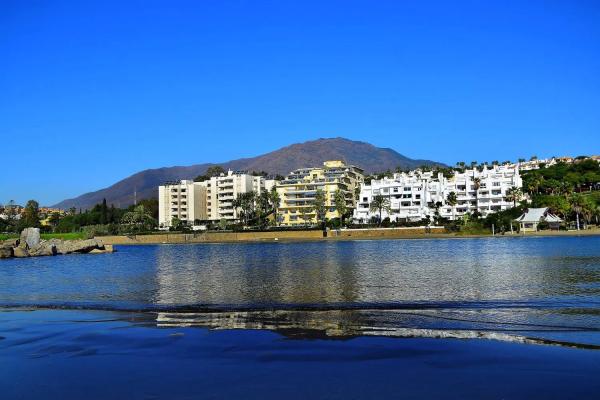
[{"x": 368, "y": 272}]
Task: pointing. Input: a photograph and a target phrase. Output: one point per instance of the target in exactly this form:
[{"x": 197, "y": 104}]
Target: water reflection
[
  {"x": 508, "y": 286},
  {"x": 372, "y": 272},
  {"x": 516, "y": 325}
]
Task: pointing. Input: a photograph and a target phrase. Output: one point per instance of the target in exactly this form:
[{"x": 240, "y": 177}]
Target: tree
[
  {"x": 246, "y": 204},
  {"x": 275, "y": 202},
  {"x": 339, "y": 199},
  {"x": 212, "y": 171},
  {"x": 320, "y": 206},
  {"x": 379, "y": 203},
  {"x": 103, "y": 212},
  {"x": 139, "y": 218},
  {"x": 176, "y": 224},
  {"x": 514, "y": 194},
  {"x": 452, "y": 200},
  {"x": 31, "y": 217},
  {"x": 304, "y": 211},
  {"x": 263, "y": 207},
  {"x": 436, "y": 213},
  {"x": 476, "y": 186},
  {"x": 577, "y": 204}
]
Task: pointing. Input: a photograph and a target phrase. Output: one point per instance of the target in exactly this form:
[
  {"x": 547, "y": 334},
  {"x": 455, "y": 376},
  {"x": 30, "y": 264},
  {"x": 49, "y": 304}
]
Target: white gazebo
[{"x": 530, "y": 219}]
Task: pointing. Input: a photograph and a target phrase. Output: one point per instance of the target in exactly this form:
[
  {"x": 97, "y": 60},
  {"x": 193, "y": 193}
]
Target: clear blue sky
[{"x": 91, "y": 92}]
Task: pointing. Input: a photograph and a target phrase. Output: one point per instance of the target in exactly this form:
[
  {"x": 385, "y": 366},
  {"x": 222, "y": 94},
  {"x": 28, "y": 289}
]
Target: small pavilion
[{"x": 532, "y": 217}]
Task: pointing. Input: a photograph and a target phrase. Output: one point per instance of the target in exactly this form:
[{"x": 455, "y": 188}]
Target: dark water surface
[{"x": 171, "y": 321}]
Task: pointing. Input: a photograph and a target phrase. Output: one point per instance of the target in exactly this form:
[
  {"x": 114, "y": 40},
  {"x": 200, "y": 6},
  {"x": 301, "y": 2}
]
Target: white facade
[
  {"x": 185, "y": 200},
  {"x": 212, "y": 199},
  {"x": 412, "y": 196},
  {"x": 221, "y": 190}
]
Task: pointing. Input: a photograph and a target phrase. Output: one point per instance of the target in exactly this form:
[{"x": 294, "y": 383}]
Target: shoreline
[{"x": 317, "y": 236}]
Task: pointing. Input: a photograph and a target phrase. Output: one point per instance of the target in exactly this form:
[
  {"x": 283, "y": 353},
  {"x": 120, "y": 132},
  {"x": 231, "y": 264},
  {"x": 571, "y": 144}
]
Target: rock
[
  {"x": 20, "y": 252},
  {"x": 78, "y": 246},
  {"x": 10, "y": 243},
  {"x": 44, "y": 248},
  {"x": 97, "y": 251},
  {"x": 6, "y": 252},
  {"x": 30, "y": 237}
]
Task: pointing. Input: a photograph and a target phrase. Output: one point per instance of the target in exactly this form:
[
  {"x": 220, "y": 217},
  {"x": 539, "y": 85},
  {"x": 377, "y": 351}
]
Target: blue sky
[{"x": 91, "y": 92}]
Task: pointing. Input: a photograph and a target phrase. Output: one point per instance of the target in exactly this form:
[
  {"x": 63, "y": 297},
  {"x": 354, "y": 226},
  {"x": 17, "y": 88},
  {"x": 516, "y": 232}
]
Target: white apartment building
[
  {"x": 185, "y": 200},
  {"x": 221, "y": 190},
  {"x": 412, "y": 196},
  {"x": 210, "y": 200}
]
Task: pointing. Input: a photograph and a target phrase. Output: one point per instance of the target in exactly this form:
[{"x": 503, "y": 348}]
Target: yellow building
[{"x": 297, "y": 192}]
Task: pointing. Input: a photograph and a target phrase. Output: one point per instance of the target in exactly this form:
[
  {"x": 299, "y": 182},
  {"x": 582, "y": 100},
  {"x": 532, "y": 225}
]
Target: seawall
[{"x": 227, "y": 237}]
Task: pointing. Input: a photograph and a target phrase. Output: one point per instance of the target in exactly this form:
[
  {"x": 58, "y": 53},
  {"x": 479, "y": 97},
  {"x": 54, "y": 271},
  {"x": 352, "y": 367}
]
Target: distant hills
[{"x": 282, "y": 161}]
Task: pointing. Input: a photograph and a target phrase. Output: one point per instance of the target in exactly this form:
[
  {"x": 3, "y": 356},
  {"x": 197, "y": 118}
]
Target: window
[
  {"x": 407, "y": 189},
  {"x": 496, "y": 184},
  {"x": 365, "y": 199},
  {"x": 395, "y": 190}
]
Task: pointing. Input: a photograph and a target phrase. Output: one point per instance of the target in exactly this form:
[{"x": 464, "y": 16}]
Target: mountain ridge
[{"x": 281, "y": 161}]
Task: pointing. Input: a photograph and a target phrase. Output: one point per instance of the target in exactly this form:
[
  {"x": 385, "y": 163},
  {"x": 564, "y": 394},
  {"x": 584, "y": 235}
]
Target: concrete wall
[
  {"x": 386, "y": 232},
  {"x": 215, "y": 237}
]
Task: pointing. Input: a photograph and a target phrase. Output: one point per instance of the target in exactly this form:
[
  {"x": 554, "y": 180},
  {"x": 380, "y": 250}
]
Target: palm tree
[
  {"x": 452, "y": 201},
  {"x": 436, "y": 213},
  {"x": 245, "y": 202},
  {"x": 320, "y": 206},
  {"x": 534, "y": 184},
  {"x": 577, "y": 203},
  {"x": 565, "y": 189},
  {"x": 514, "y": 194},
  {"x": 237, "y": 203},
  {"x": 275, "y": 202},
  {"x": 476, "y": 186},
  {"x": 339, "y": 199},
  {"x": 379, "y": 204}
]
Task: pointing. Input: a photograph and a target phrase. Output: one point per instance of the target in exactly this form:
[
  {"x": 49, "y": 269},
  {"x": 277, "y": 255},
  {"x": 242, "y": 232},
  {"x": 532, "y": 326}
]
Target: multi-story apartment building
[
  {"x": 209, "y": 200},
  {"x": 297, "y": 191},
  {"x": 222, "y": 190},
  {"x": 413, "y": 196},
  {"x": 184, "y": 200}
]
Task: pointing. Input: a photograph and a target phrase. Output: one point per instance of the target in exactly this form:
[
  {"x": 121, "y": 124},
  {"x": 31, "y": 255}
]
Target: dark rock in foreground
[{"x": 30, "y": 245}]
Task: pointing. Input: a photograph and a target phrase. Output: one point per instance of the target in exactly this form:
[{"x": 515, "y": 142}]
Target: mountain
[{"x": 282, "y": 161}]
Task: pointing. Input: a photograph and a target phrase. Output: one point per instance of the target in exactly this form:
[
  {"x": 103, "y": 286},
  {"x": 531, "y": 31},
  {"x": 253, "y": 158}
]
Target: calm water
[
  {"x": 339, "y": 320},
  {"x": 521, "y": 289}
]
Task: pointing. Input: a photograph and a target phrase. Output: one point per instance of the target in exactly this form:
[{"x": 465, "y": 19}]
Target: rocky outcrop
[
  {"x": 20, "y": 252},
  {"x": 6, "y": 252},
  {"x": 30, "y": 237},
  {"x": 44, "y": 248},
  {"x": 30, "y": 245}
]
